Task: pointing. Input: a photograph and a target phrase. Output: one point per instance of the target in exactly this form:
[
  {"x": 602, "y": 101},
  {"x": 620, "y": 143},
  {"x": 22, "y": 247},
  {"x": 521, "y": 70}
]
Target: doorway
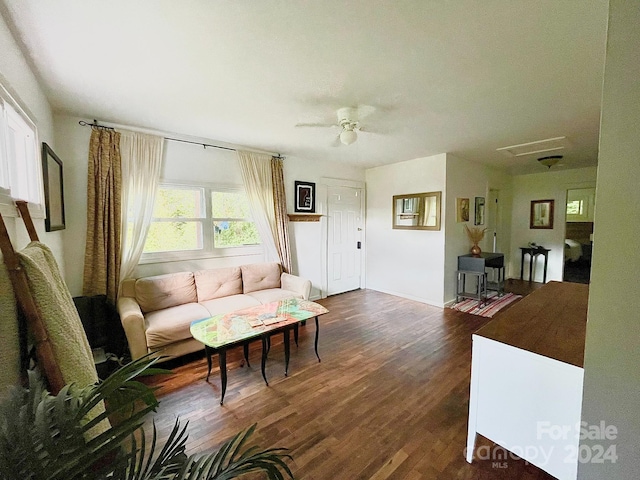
[
  {"x": 345, "y": 238},
  {"x": 578, "y": 244}
]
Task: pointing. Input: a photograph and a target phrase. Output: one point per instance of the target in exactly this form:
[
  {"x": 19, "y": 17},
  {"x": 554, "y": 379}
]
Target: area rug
[{"x": 494, "y": 304}]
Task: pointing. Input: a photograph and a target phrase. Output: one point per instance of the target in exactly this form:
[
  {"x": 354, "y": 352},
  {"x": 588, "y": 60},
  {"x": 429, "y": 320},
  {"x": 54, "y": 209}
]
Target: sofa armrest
[
  {"x": 134, "y": 326},
  {"x": 296, "y": 284}
]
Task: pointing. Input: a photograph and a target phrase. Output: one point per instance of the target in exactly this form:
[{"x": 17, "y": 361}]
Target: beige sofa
[{"x": 156, "y": 312}]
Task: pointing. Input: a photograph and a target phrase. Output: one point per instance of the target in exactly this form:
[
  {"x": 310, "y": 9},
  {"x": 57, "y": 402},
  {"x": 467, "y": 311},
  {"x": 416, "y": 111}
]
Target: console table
[{"x": 534, "y": 252}]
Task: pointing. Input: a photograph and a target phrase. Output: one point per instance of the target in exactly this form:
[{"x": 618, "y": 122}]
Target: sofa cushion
[
  {"x": 218, "y": 282},
  {"x": 164, "y": 291},
  {"x": 273, "y": 295},
  {"x": 172, "y": 324},
  {"x": 260, "y": 276},
  {"x": 229, "y": 304}
]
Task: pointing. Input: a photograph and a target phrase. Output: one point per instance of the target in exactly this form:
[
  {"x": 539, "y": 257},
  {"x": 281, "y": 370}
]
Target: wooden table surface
[{"x": 551, "y": 321}]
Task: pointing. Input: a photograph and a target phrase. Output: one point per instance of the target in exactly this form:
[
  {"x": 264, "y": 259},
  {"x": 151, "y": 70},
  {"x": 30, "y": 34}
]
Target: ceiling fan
[{"x": 348, "y": 121}]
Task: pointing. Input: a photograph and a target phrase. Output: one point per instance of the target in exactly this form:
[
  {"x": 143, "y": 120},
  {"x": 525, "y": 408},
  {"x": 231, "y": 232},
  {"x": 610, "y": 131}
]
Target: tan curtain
[
  {"x": 104, "y": 191},
  {"x": 282, "y": 220}
]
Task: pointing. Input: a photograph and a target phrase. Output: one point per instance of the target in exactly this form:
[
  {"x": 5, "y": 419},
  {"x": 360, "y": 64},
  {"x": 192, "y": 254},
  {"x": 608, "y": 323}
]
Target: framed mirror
[
  {"x": 541, "y": 214},
  {"x": 417, "y": 211}
]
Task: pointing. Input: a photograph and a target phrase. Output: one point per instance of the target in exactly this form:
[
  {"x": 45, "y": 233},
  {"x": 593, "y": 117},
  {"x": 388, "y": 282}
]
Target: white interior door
[{"x": 344, "y": 238}]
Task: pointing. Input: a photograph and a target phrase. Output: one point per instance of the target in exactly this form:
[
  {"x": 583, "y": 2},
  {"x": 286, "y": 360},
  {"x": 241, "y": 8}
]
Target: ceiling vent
[{"x": 531, "y": 148}]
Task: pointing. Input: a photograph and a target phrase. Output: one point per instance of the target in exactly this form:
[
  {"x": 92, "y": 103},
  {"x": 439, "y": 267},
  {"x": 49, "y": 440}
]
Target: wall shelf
[{"x": 304, "y": 217}]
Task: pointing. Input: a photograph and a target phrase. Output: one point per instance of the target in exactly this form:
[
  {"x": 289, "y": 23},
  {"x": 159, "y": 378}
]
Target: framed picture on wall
[
  {"x": 462, "y": 209},
  {"x": 479, "y": 212},
  {"x": 53, "y": 190},
  {"x": 305, "y": 197},
  {"x": 541, "y": 215}
]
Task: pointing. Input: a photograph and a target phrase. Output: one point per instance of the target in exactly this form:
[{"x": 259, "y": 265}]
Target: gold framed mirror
[{"x": 417, "y": 211}]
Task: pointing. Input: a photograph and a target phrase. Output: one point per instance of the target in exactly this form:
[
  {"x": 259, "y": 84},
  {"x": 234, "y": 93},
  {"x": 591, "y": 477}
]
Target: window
[
  {"x": 232, "y": 224},
  {"x": 178, "y": 220},
  {"x": 187, "y": 225},
  {"x": 581, "y": 204},
  {"x": 20, "y": 169},
  {"x": 575, "y": 207}
]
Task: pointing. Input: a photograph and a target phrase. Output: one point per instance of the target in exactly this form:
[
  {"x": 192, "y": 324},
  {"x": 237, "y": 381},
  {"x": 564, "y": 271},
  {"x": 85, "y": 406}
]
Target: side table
[{"x": 534, "y": 252}]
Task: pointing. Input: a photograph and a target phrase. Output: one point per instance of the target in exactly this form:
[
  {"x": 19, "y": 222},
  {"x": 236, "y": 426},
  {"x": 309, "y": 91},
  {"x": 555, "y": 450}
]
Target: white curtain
[
  {"x": 258, "y": 184},
  {"x": 141, "y": 166}
]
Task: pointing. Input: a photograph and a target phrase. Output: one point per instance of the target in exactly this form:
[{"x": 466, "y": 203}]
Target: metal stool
[{"x": 475, "y": 267}]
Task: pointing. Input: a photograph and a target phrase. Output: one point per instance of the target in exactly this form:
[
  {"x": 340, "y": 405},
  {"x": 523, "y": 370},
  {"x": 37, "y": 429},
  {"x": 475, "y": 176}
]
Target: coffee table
[{"x": 221, "y": 332}]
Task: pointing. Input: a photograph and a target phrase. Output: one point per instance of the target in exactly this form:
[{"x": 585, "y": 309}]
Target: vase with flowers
[{"x": 475, "y": 234}]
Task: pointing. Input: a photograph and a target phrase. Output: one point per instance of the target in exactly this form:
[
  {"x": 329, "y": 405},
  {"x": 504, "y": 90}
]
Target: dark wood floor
[{"x": 389, "y": 400}]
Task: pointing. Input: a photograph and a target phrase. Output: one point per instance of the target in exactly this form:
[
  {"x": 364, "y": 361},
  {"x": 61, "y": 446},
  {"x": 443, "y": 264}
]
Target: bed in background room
[
  {"x": 572, "y": 250},
  {"x": 577, "y": 252}
]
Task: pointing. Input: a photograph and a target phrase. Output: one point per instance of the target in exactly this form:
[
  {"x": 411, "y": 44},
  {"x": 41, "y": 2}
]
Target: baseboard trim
[{"x": 409, "y": 297}]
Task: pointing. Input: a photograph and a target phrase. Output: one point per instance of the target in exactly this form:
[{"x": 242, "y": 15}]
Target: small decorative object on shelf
[{"x": 475, "y": 234}]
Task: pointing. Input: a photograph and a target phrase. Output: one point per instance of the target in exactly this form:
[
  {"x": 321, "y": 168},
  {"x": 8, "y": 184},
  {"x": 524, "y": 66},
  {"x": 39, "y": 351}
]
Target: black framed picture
[
  {"x": 53, "y": 190},
  {"x": 479, "y": 212},
  {"x": 305, "y": 195}
]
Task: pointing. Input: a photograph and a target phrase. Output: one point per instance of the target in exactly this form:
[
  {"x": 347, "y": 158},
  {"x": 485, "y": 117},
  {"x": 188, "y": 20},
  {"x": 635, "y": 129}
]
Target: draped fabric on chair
[
  {"x": 264, "y": 184},
  {"x": 280, "y": 210},
  {"x": 9, "y": 333},
  {"x": 102, "y": 251},
  {"x": 141, "y": 166}
]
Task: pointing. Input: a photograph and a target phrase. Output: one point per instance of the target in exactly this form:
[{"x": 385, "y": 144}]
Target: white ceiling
[{"x": 464, "y": 77}]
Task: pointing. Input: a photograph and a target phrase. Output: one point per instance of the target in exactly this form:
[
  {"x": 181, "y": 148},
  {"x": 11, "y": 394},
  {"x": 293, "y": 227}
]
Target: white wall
[
  {"x": 612, "y": 354},
  {"x": 17, "y": 77},
  {"x": 407, "y": 263},
  {"x": 465, "y": 179},
  {"x": 186, "y": 162},
  {"x": 73, "y": 149},
  {"x": 550, "y": 185},
  {"x": 307, "y": 237}
]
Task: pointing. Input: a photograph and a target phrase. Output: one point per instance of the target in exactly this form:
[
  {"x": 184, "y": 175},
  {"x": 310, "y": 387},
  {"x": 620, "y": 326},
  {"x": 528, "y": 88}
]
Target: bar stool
[{"x": 475, "y": 267}]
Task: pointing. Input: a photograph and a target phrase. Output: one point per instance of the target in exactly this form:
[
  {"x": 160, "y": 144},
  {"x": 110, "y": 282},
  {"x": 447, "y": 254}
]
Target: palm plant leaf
[
  {"x": 48, "y": 433},
  {"x": 231, "y": 462},
  {"x": 53, "y": 437},
  {"x": 146, "y": 464}
]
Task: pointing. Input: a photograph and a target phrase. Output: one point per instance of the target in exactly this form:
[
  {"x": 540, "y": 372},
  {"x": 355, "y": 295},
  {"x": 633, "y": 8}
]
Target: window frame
[
  {"x": 35, "y": 183},
  {"x": 208, "y": 249}
]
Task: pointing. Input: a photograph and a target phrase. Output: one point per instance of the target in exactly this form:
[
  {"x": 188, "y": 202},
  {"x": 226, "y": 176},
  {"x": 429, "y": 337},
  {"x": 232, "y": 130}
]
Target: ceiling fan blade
[
  {"x": 324, "y": 125},
  {"x": 365, "y": 111},
  {"x": 336, "y": 142},
  {"x": 374, "y": 130}
]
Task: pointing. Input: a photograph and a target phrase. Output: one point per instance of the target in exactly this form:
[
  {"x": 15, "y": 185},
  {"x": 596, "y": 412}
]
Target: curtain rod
[{"x": 205, "y": 145}]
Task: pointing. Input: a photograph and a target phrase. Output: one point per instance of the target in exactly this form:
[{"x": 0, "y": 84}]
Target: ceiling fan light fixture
[
  {"x": 550, "y": 161},
  {"x": 347, "y": 137}
]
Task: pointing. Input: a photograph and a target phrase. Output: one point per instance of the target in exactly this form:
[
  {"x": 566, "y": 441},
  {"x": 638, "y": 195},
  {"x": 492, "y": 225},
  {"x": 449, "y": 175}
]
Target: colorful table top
[{"x": 229, "y": 328}]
